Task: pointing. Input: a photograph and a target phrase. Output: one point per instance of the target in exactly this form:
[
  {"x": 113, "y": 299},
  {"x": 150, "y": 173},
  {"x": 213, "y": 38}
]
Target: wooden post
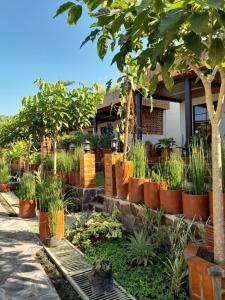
[
  {"x": 87, "y": 170},
  {"x": 138, "y": 106},
  {"x": 188, "y": 111},
  {"x": 110, "y": 160}
]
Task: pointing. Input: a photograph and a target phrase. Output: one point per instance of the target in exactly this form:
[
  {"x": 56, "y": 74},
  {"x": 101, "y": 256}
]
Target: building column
[
  {"x": 188, "y": 111},
  {"x": 95, "y": 123},
  {"x": 138, "y": 110}
]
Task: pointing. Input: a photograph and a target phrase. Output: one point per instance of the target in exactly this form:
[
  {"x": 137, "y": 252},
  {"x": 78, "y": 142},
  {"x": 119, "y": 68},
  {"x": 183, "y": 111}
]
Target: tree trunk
[
  {"x": 218, "y": 215},
  {"x": 127, "y": 122},
  {"x": 55, "y": 157}
]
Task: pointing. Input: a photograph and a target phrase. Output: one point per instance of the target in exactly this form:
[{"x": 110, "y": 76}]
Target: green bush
[
  {"x": 4, "y": 173},
  {"x": 49, "y": 194},
  {"x": 27, "y": 187},
  {"x": 76, "y": 158},
  {"x": 174, "y": 172},
  {"x": 99, "y": 226},
  {"x": 64, "y": 162},
  {"x": 139, "y": 160},
  {"x": 198, "y": 168},
  {"x": 141, "y": 249},
  {"x": 48, "y": 163}
]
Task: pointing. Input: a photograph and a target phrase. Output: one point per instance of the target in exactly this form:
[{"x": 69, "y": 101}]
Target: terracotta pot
[
  {"x": 44, "y": 231},
  {"x": 98, "y": 155},
  {"x": 171, "y": 201},
  {"x": 48, "y": 173},
  {"x": 4, "y": 187},
  {"x": 136, "y": 190},
  {"x": 124, "y": 171},
  {"x": 195, "y": 207},
  {"x": 14, "y": 167},
  {"x": 151, "y": 193},
  {"x": 211, "y": 205},
  {"x": 33, "y": 167},
  {"x": 63, "y": 176},
  {"x": 74, "y": 178},
  {"x": 27, "y": 209},
  {"x": 60, "y": 225},
  {"x": 200, "y": 282},
  {"x": 209, "y": 235}
]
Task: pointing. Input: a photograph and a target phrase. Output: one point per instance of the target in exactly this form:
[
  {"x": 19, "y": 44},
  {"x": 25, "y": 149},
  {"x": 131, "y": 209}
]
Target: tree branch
[
  {"x": 207, "y": 86},
  {"x": 221, "y": 95}
]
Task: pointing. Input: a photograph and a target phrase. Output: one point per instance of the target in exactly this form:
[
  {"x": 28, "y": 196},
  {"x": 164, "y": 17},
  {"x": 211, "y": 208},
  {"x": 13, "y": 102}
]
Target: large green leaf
[
  {"x": 199, "y": 22},
  {"x": 193, "y": 43},
  {"x": 91, "y": 37},
  {"x": 102, "y": 46},
  {"x": 171, "y": 21},
  {"x": 217, "y": 52},
  {"x": 222, "y": 16},
  {"x": 74, "y": 14},
  {"x": 144, "y": 4},
  {"x": 64, "y": 7},
  {"x": 116, "y": 24},
  {"x": 216, "y": 3},
  {"x": 93, "y": 4},
  {"x": 153, "y": 84},
  {"x": 168, "y": 80}
]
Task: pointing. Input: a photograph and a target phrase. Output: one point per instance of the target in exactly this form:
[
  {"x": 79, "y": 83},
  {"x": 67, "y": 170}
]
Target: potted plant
[
  {"x": 165, "y": 146},
  {"x": 101, "y": 277},
  {"x": 152, "y": 187},
  {"x": 4, "y": 178},
  {"x": 136, "y": 182},
  {"x": 27, "y": 194},
  {"x": 171, "y": 195},
  {"x": 50, "y": 198},
  {"x": 196, "y": 200},
  {"x": 123, "y": 171},
  {"x": 64, "y": 165},
  {"x": 74, "y": 173}
]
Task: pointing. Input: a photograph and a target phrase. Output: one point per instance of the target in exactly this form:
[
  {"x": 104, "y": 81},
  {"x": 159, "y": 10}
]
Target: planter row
[
  {"x": 72, "y": 177},
  {"x": 156, "y": 195}
]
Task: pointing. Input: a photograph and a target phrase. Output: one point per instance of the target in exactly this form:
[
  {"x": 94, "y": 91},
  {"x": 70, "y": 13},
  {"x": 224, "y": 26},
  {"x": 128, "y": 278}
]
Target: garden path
[{"x": 21, "y": 276}]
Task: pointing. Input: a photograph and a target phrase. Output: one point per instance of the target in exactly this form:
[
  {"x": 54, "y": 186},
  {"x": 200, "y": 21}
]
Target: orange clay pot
[
  {"x": 171, "y": 201},
  {"x": 151, "y": 193},
  {"x": 4, "y": 187},
  {"x": 44, "y": 230},
  {"x": 27, "y": 208},
  {"x": 74, "y": 178},
  {"x": 136, "y": 190},
  {"x": 195, "y": 207},
  {"x": 124, "y": 171},
  {"x": 211, "y": 205}
]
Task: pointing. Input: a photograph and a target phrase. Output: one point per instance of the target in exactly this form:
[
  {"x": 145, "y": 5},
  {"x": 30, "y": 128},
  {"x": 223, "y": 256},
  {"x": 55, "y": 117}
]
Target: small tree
[
  {"x": 170, "y": 35},
  {"x": 54, "y": 110}
]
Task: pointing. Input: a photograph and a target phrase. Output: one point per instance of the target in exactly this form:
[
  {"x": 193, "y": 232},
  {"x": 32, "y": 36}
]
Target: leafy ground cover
[
  {"x": 143, "y": 282},
  {"x": 149, "y": 264}
]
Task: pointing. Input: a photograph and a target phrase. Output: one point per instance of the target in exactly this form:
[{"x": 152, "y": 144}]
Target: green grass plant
[
  {"x": 27, "y": 187},
  {"x": 174, "y": 172},
  {"x": 139, "y": 160},
  {"x": 4, "y": 173},
  {"x": 50, "y": 193},
  {"x": 197, "y": 168}
]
